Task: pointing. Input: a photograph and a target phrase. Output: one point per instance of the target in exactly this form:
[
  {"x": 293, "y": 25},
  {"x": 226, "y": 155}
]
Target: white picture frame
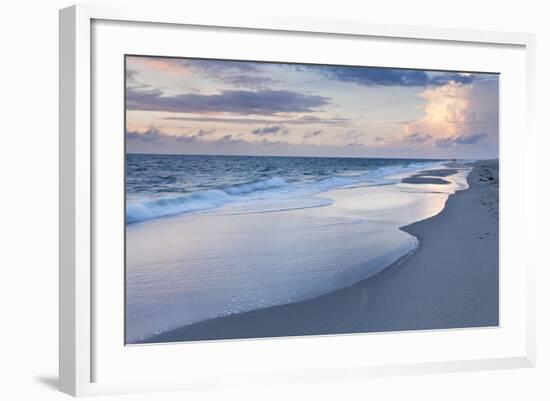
[{"x": 78, "y": 161}]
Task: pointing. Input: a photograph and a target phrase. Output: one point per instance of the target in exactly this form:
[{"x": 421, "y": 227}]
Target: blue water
[{"x": 159, "y": 186}]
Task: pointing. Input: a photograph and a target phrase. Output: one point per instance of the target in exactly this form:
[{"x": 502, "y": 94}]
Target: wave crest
[
  {"x": 196, "y": 201},
  {"x": 260, "y": 185}
]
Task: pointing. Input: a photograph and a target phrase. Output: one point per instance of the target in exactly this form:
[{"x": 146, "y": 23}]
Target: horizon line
[{"x": 303, "y": 156}]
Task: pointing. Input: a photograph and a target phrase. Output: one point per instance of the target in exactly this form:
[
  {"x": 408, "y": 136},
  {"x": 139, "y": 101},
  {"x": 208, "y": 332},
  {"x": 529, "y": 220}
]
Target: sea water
[
  {"x": 210, "y": 236},
  {"x": 165, "y": 185}
]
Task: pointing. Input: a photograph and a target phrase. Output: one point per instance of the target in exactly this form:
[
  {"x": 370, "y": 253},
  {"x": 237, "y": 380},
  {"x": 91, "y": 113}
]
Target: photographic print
[{"x": 270, "y": 199}]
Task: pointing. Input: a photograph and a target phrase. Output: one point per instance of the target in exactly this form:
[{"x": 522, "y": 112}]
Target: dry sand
[{"x": 450, "y": 281}]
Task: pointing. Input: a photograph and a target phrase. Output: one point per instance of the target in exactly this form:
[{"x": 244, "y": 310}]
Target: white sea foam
[
  {"x": 261, "y": 185},
  {"x": 263, "y": 190}
]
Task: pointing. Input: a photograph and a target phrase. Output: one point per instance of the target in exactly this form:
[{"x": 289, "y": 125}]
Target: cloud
[
  {"x": 417, "y": 138},
  {"x": 456, "y": 114},
  {"x": 131, "y": 76},
  {"x": 251, "y": 81},
  {"x": 154, "y": 140},
  {"x": 354, "y": 134},
  {"x": 403, "y": 122},
  {"x": 220, "y": 66},
  {"x": 446, "y": 78},
  {"x": 227, "y": 139},
  {"x": 460, "y": 140},
  {"x": 236, "y": 73},
  {"x": 455, "y": 117},
  {"x": 263, "y": 102},
  {"x": 253, "y": 74},
  {"x": 446, "y": 111},
  {"x": 273, "y": 129},
  {"x": 132, "y": 82},
  {"x": 470, "y": 139},
  {"x": 155, "y": 135},
  {"x": 313, "y": 134},
  {"x": 427, "y": 139},
  {"x": 158, "y": 64},
  {"x": 460, "y": 110},
  {"x": 302, "y": 120},
  {"x": 270, "y": 129},
  {"x": 203, "y": 132},
  {"x": 152, "y": 134},
  {"x": 374, "y": 76}
]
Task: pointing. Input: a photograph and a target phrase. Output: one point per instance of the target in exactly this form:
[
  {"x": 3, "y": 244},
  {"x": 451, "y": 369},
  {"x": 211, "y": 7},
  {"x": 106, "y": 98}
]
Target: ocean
[
  {"x": 159, "y": 186},
  {"x": 211, "y": 236}
]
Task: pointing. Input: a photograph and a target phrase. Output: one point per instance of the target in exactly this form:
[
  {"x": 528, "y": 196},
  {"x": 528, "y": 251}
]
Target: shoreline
[
  {"x": 200, "y": 266},
  {"x": 435, "y": 286}
]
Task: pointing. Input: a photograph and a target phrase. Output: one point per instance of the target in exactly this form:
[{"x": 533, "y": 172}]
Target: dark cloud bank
[
  {"x": 373, "y": 76},
  {"x": 418, "y": 138},
  {"x": 270, "y": 130},
  {"x": 244, "y": 102}
]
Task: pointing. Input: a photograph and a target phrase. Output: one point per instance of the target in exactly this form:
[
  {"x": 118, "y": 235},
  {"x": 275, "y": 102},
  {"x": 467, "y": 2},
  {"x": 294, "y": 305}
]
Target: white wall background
[{"x": 29, "y": 185}]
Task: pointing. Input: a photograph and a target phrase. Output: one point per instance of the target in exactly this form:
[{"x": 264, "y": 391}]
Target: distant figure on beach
[{"x": 454, "y": 160}]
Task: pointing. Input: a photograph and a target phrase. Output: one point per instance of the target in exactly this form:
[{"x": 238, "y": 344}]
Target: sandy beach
[{"x": 449, "y": 281}]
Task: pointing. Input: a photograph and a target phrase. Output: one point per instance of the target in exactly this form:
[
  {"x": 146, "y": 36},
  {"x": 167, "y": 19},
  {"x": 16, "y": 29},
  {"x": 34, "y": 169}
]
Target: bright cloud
[
  {"x": 446, "y": 111},
  {"x": 455, "y": 114}
]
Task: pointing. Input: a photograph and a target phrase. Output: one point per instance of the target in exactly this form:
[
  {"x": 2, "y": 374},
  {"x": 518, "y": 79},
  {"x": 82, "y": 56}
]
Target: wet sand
[
  {"x": 430, "y": 177},
  {"x": 449, "y": 281}
]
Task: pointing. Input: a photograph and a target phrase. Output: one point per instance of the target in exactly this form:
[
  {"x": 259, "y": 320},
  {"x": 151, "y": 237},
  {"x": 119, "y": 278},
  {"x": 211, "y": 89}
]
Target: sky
[{"x": 222, "y": 107}]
